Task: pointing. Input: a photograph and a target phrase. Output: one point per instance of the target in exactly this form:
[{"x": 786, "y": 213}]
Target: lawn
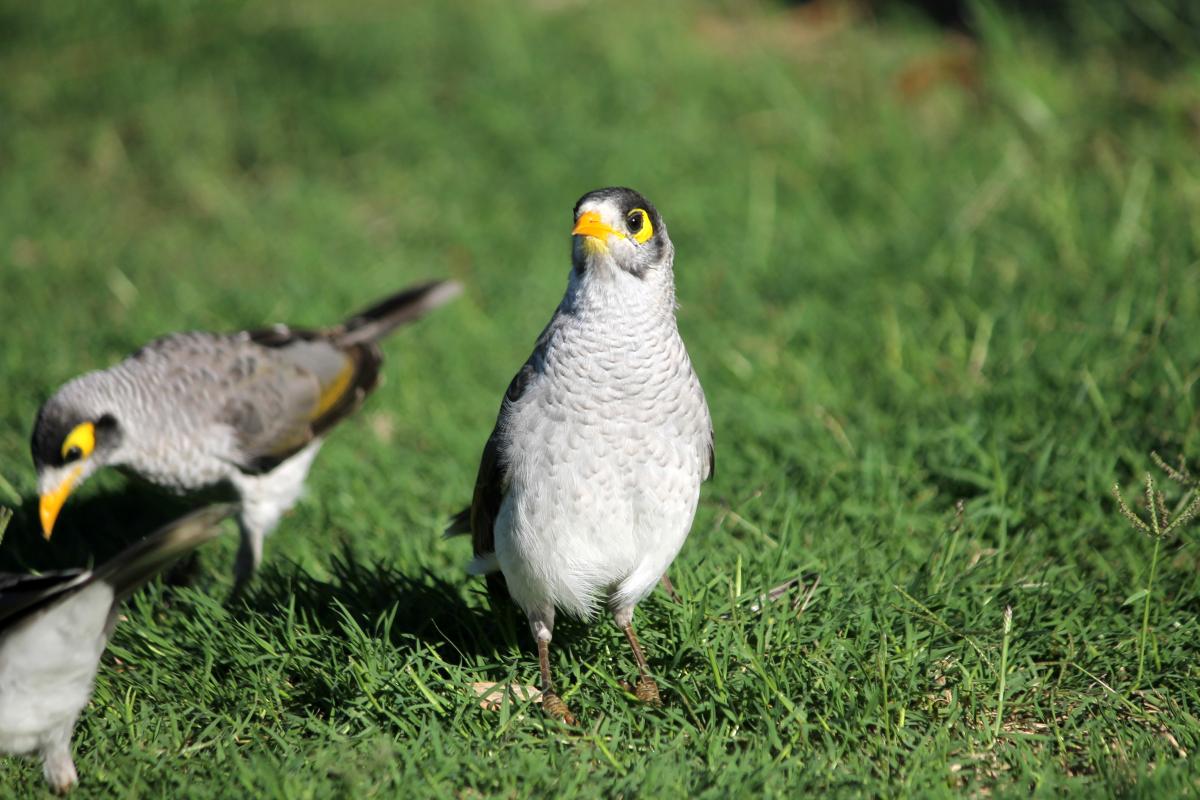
[{"x": 916, "y": 273}]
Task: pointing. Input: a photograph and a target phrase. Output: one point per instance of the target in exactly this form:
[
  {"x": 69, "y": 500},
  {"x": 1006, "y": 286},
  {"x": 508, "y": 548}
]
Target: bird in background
[
  {"x": 589, "y": 483},
  {"x": 54, "y": 628},
  {"x": 247, "y": 410}
]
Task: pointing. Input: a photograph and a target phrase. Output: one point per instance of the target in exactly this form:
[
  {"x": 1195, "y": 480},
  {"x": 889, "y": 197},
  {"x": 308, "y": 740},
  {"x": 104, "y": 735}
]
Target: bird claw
[
  {"x": 60, "y": 773},
  {"x": 647, "y": 691},
  {"x": 554, "y": 706}
]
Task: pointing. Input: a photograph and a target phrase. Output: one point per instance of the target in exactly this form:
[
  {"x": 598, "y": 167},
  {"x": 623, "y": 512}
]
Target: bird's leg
[
  {"x": 669, "y": 588},
  {"x": 646, "y": 689},
  {"x": 57, "y": 765},
  {"x": 249, "y": 556},
  {"x": 265, "y": 499},
  {"x": 552, "y": 704}
]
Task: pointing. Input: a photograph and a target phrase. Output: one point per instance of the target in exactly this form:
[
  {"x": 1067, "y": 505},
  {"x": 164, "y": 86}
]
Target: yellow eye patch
[
  {"x": 639, "y": 225},
  {"x": 80, "y": 442}
]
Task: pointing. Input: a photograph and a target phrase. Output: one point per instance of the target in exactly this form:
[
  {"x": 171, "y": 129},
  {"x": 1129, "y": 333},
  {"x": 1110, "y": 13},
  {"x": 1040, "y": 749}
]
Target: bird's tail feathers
[
  {"x": 485, "y": 564},
  {"x": 460, "y": 524},
  {"x": 145, "y": 559},
  {"x": 376, "y": 322}
]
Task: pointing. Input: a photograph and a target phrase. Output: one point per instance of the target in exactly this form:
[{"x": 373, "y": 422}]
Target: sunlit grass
[{"x": 912, "y": 271}]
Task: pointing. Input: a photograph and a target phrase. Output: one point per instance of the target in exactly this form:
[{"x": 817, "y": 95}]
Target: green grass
[{"x": 987, "y": 291}]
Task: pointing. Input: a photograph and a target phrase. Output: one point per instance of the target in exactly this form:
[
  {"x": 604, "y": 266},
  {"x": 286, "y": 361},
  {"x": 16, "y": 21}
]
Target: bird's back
[{"x": 194, "y": 406}]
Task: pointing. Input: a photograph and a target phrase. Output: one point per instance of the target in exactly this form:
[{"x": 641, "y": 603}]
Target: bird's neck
[{"x": 614, "y": 295}]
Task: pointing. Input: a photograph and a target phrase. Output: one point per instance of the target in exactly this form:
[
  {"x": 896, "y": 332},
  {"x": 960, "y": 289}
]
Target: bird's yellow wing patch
[{"x": 333, "y": 393}]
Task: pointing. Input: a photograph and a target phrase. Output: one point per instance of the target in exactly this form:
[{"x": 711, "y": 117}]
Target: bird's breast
[{"x": 612, "y": 402}]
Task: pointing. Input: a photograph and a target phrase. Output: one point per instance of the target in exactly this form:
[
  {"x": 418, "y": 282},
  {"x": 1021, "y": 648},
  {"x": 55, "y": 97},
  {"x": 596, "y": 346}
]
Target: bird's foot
[
  {"x": 59, "y": 770},
  {"x": 647, "y": 691},
  {"x": 553, "y": 705}
]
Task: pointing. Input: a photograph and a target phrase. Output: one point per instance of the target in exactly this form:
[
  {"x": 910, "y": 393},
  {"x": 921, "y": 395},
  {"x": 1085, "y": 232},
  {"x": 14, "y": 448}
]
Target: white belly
[
  {"x": 47, "y": 667},
  {"x": 595, "y": 512},
  {"x": 606, "y": 448}
]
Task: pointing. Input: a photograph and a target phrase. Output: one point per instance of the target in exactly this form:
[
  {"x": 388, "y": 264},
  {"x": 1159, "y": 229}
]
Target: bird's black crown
[
  {"x": 54, "y": 423},
  {"x": 627, "y": 200}
]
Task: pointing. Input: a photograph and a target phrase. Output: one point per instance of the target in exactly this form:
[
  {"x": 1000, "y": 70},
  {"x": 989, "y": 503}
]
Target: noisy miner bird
[
  {"x": 589, "y": 483},
  {"x": 248, "y": 410},
  {"x": 53, "y": 630}
]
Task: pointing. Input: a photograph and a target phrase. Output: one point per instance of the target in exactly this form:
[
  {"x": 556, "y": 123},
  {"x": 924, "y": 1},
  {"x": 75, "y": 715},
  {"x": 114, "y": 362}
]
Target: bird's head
[
  {"x": 72, "y": 438},
  {"x": 619, "y": 231}
]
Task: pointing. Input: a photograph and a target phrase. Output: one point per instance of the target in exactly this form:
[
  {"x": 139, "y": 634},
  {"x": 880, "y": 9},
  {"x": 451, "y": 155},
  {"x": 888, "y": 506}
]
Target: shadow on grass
[
  {"x": 378, "y": 597},
  {"x": 384, "y": 601},
  {"x": 90, "y": 529}
]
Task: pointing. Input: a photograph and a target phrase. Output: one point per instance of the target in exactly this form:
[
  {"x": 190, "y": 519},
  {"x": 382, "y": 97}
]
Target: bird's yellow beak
[
  {"x": 590, "y": 225},
  {"x": 52, "y": 502}
]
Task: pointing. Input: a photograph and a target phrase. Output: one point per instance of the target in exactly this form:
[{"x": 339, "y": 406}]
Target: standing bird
[
  {"x": 53, "y": 630},
  {"x": 589, "y": 483},
  {"x": 193, "y": 410}
]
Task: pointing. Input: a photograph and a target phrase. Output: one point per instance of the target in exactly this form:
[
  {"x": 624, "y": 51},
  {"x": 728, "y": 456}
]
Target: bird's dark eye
[
  {"x": 80, "y": 442},
  {"x": 640, "y": 227}
]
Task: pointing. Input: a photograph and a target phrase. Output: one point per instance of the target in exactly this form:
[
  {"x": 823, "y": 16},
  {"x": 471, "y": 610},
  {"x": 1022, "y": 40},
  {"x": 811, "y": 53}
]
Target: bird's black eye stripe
[{"x": 634, "y": 221}]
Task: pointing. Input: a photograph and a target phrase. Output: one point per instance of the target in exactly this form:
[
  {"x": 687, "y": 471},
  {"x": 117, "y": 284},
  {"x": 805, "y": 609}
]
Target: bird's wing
[
  {"x": 283, "y": 387},
  {"x": 278, "y": 388},
  {"x": 274, "y": 389},
  {"x": 22, "y": 595},
  {"x": 708, "y": 443},
  {"x": 491, "y": 484},
  {"x": 142, "y": 560}
]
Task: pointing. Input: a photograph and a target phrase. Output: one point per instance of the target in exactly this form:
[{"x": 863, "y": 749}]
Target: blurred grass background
[{"x": 918, "y": 263}]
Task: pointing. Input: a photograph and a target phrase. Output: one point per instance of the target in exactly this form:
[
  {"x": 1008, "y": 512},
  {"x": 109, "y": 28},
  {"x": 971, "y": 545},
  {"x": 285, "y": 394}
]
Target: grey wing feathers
[
  {"x": 492, "y": 480},
  {"x": 319, "y": 357},
  {"x": 141, "y": 561},
  {"x": 277, "y": 388},
  {"x": 23, "y": 595},
  {"x": 263, "y": 396},
  {"x": 309, "y": 380},
  {"x": 272, "y": 399},
  {"x": 372, "y": 324},
  {"x": 491, "y": 484}
]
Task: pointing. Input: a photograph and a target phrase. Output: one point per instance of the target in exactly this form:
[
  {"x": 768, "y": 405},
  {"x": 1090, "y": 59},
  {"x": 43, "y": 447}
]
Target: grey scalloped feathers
[
  {"x": 589, "y": 483},
  {"x": 247, "y": 410}
]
